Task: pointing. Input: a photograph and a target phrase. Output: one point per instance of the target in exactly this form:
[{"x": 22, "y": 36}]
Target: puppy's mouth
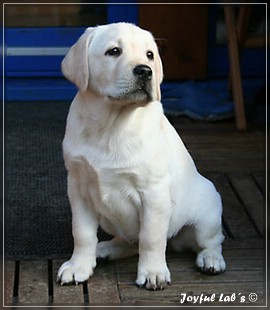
[
  {"x": 139, "y": 94},
  {"x": 142, "y": 92}
]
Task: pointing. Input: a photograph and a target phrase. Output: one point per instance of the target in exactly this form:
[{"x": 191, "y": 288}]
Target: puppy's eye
[
  {"x": 115, "y": 52},
  {"x": 150, "y": 55}
]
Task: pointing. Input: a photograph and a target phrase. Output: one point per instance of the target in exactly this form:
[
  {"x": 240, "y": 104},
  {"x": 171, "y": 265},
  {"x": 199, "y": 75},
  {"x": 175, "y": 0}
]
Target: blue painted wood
[
  {"x": 38, "y": 37},
  {"x": 40, "y": 77},
  {"x": 123, "y": 12},
  {"x": 33, "y": 65},
  {"x": 24, "y": 72},
  {"x": 54, "y": 36},
  {"x": 39, "y": 89}
]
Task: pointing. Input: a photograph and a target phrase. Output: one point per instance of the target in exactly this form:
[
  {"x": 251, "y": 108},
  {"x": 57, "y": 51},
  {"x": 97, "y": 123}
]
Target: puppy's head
[{"x": 119, "y": 61}]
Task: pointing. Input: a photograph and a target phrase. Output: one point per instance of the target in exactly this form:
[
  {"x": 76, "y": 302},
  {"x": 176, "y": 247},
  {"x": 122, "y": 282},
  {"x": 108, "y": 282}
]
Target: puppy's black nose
[{"x": 143, "y": 72}]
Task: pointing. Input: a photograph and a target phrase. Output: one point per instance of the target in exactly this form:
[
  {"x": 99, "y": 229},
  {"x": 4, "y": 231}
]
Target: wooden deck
[{"x": 235, "y": 162}]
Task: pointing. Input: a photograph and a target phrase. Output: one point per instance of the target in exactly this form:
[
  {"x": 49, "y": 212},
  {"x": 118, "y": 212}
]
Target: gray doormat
[{"x": 37, "y": 216}]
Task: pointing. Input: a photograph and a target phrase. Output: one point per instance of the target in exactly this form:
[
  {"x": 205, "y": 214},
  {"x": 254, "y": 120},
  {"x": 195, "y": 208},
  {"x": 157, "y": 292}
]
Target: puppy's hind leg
[
  {"x": 115, "y": 249},
  {"x": 209, "y": 238}
]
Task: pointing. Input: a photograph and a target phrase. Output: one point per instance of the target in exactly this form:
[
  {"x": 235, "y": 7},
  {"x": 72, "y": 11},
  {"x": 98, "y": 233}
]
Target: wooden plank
[
  {"x": 33, "y": 288},
  {"x": 245, "y": 264},
  {"x": 235, "y": 68},
  {"x": 217, "y": 131},
  {"x": 242, "y": 29},
  {"x": 232, "y": 251},
  {"x": 132, "y": 294},
  {"x": 9, "y": 281},
  {"x": 234, "y": 214},
  {"x": 242, "y": 25},
  {"x": 259, "y": 178},
  {"x": 219, "y": 147},
  {"x": 196, "y": 277},
  {"x": 242, "y": 265},
  {"x": 252, "y": 243},
  {"x": 235, "y": 263},
  {"x": 66, "y": 294},
  {"x": 251, "y": 197},
  {"x": 246, "y": 253},
  {"x": 102, "y": 286},
  {"x": 230, "y": 276},
  {"x": 222, "y": 160}
]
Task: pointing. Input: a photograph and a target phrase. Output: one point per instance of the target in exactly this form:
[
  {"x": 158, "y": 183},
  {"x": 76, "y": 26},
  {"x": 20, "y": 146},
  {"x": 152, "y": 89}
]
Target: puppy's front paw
[
  {"x": 75, "y": 271},
  {"x": 154, "y": 277},
  {"x": 210, "y": 262}
]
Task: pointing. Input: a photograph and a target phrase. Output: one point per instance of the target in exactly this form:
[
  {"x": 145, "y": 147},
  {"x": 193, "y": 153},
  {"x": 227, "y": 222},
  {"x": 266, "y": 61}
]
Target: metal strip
[{"x": 37, "y": 51}]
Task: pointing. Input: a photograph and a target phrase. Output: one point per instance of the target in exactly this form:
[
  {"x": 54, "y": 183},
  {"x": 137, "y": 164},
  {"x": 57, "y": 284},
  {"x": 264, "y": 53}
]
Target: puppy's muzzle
[{"x": 143, "y": 73}]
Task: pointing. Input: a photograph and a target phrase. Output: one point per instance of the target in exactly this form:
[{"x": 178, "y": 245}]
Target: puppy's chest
[
  {"x": 119, "y": 192},
  {"x": 114, "y": 195},
  {"x": 111, "y": 189}
]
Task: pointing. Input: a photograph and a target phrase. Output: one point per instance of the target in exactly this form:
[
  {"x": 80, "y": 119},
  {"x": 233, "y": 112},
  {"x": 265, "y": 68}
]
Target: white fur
[{"x": 128, "y": 169}]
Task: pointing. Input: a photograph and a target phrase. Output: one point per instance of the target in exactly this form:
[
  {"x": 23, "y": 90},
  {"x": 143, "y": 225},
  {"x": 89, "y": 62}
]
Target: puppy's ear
[
  {"x": 159, "y": 73},
  {"x": 160, "y": 69},
  {"x": 75, "y": 64}
]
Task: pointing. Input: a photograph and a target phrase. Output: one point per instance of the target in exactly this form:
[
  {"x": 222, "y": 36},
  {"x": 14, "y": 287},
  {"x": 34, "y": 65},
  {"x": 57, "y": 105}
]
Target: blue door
[{"x": 37, "y": 36}]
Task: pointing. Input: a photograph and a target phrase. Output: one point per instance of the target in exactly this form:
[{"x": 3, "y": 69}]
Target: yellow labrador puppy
[{"x": 128, "y": 170}]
